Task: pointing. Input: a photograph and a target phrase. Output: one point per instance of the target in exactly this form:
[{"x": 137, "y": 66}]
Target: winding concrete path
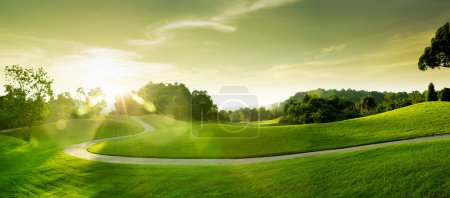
[
  {"x": 80, "y": 151},
  {"x": 8, "y": 130}
]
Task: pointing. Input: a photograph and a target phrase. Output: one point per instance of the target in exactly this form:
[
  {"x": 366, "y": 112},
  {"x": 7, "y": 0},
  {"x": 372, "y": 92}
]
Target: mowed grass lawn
[
  {"x": 175, "y": 139},
  {"x": 18, "y": 157},
  {"x": 65, "y": 132},
  {"x": 32, "y": 169}
]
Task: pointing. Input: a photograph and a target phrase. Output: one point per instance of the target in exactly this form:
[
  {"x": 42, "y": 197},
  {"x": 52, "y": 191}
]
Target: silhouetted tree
[
  {"x": 445, "y": 94},
  {"x": 431, "y": 93},
  {"x": 438, "y": 54}
]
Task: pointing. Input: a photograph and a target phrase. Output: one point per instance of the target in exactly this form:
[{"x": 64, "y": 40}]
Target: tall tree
[
  {"x": 445, "y": 94},
  {"x": 29, "y": 89},
  {"x": 169, "y": 99},
  {"x": 201, "y": 104},
  {"x": 431, "y": 93},
  {"x": 438, "y": 54}
]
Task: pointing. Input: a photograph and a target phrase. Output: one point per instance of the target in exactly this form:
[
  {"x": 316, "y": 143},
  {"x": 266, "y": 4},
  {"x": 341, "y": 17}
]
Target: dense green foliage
[
  {"x": 246, "y": 114},
  {"x": 201, "y": 105},
  {"x": 347, "y": 94},
  {"x": 319, "y": 110},
  {"x": 62, "y": 107},
  {"x": 438, "y": 54},
  {"x": 444, "y": 94},
  {"x": 302, "y": 111},
  {"x": 168, "y": 99},
  {"x": 367, "y": 105},
  {"x": 29, "y": 98},
  {"x": 27, "y": 91},
  {"x": 173, "y": 100},
  {"x": 180, "y": 139}
]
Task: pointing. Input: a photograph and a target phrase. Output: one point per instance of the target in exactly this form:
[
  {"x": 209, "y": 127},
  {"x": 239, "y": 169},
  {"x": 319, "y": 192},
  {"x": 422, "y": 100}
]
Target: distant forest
[
  {"x": 320, "y": 105},
  {"x": 348, "y": 94}
]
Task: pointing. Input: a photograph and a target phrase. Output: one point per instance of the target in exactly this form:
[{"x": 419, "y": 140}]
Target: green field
[
  {"x": 19, "y": 157},
  {"x": 174, "y": 139},
  {"x": 40, "y": 168},
  {"x": 418, "y": 169}
]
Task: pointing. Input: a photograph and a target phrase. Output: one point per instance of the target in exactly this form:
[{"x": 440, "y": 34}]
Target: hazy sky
[{"x": 274, "y": 47}]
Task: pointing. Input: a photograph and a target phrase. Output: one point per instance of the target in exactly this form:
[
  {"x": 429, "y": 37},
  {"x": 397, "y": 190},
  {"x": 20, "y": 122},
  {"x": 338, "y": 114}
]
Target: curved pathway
[
  {"x": 80, "y": 150},
  {"x": 8, "y": 130}
]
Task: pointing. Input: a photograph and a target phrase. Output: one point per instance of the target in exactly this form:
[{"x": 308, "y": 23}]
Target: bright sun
[
  {"x": 106, "y": 69},
  {"x": 112, "y": 92}
]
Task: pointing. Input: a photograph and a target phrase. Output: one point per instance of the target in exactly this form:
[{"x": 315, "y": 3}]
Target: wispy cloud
[
  {"x": 220, "y": 22},
  {"x": 335, "y": 48},
  {"x": 160, "y": 34},
  {"x": 245, "y": 7}
]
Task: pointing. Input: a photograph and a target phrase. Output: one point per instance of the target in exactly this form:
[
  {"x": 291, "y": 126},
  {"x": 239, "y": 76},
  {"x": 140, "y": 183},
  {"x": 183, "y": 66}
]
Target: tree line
[
  {"x": 175, "y": 100},
  {"x": 314, "y": 108},
  {"x": 29, "y": 98}
]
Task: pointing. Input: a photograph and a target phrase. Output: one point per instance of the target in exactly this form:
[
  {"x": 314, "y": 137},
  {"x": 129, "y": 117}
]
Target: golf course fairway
[
  {"x": 177, "y": 139},
  {"x": 40, "y": 167}
]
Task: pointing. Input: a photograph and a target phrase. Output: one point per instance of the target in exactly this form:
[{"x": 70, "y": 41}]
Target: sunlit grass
[
  {"x": 275, "y": 121},
  {"x": 65, "y": 132},
  {"x": 175, "y": 139},
  {"x": 417, "y": 169},
  {"x": 20, "y": 158}
]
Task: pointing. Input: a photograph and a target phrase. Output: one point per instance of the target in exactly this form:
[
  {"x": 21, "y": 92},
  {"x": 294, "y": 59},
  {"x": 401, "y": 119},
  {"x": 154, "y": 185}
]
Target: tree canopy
[
  {"x": 201, "y": 105},
  {"x": 431, "y": 93},
  {"x": 27, "y": 90},
  {"x": 445, "y": 94},
  {"x": 438, "y": 54}
]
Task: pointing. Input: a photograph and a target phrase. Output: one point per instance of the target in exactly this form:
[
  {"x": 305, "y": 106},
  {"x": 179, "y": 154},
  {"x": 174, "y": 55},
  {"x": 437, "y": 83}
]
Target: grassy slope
[
  {"x": 174, "y": 139},
  {"x": 80, "y": 130},
  {"x": 272, "y": 122},
  {"x": 19, "y": 157},
  {"x": 418, "y": 169}
]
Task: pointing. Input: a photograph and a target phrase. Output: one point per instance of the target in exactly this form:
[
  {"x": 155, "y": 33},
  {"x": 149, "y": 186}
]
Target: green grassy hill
[
  {"x": 68, "y": 131},
  {"x": 177, "y": 139},
  {"x": 30, "y": 169},
  {"x": 275, "y": 121},
  {"x": 19, "y": 158}
]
